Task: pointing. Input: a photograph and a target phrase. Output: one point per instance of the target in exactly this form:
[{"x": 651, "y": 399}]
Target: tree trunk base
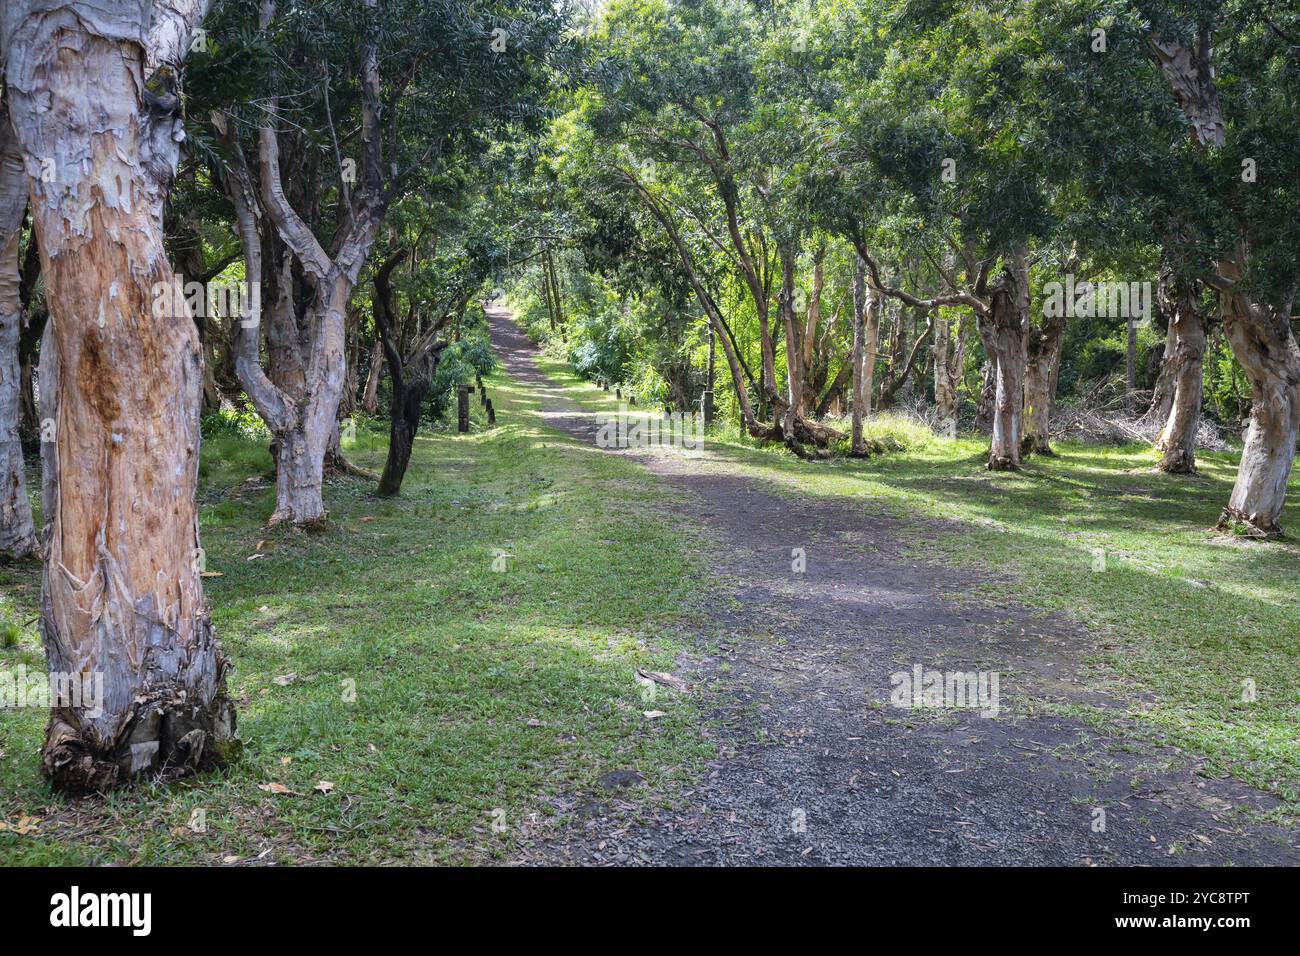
[
  {"x": 1032, "y": 445},
  {"x": 1247, "y": 526},
  {"x": 167, "y": 740},
  {"x": 1002, "y": 463},
  {"x": 336, "y": 464},
  {"x": 1177, "y": 462}
]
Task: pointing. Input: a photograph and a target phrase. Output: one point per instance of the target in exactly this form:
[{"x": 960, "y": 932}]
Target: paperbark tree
[
  {"x": 122, "y": 594},
  {"x": 17, "y": 533},
  {"x": 1185, "y": 384},
  {"x": 1042, "y": 368},
  {"x": 861, "y": 382},
  {"x": 300, "y": 408},
  {"x": 949, "y": 359},
  {"x": 1008, "y": 320},
  {"x": 1262, "y": 341},
  {"x": 1258, "y": 331}
]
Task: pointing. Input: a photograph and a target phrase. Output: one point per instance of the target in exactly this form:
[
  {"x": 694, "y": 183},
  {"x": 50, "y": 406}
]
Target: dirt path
[{"x": 817, "y": 767}]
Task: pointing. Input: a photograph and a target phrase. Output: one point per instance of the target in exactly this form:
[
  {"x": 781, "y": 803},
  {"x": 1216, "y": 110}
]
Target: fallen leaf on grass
[
  {"x": 655, "y": 714},
  {"x": 284, "y": 680},
  {"x": 279, "y": 789},
  {"x": 325, "y": 786},
  {"x": 212, "y": 574},
  {"x": 22, "y": 826}
]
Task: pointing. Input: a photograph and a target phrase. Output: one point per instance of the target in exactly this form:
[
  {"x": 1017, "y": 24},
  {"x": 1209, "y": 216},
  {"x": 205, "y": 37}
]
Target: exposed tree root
[
  {"x": 168, "y": 735},
  {"x": 1248, "y": 526}
]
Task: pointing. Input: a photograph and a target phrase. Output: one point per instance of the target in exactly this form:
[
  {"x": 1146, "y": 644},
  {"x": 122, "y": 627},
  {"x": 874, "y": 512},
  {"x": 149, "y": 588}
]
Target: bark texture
[
  {"x": 861, "y": 389},
  {"x": 1261, "y": 340},
  {"x": 122, "y": 593},
  {"x": 1042, "y": 368},
  {"x": 1008, "y": 321},
  {"x": 949, "y": 356},
  {"x": 17, "y": 533},
  {"x": 1185, "y": 383}
]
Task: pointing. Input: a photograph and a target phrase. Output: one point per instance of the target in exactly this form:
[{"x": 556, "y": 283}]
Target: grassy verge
[
  {"x": 448, "y": 704},
  {"x": 1189, "y": 624}
]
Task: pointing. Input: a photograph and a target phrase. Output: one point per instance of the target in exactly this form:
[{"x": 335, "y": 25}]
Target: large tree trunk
[
  {"x": 1183, "y": 362},
  {"x": 1261, "y": 340},
  {"x": 1042, "y": 368},
  {"x": 122, "y": 594},
  {"x": 17, "y": 533},
  {"x": 1008, "y": 320}
]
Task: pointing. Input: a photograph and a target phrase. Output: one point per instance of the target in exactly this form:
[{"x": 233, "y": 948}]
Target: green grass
[
  {"x": 1182, "y": 617},
  {"x": 450, "y": 660}
]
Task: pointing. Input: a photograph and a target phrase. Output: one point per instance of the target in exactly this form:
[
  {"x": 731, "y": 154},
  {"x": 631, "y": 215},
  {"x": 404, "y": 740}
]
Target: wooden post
[
  {"x": 708, "y": 406},
  {"x": 462, "y": 408},
  {"x": 491, "y": 413}
]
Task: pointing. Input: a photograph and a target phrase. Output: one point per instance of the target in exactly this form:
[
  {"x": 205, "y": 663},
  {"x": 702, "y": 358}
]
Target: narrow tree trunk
[
  {"x": 1184, "y": 363},
  {"x": 405, "y": 423},
  {"x": 1008, "y": 319},
  {"x": 707, "y": 403},
  {"x": 793, "y": 358},
  {"x": 370, "y": 399},
  {"x": 17, "y": 533},
  {"x": 861, "y": 385},
  {"x": 870, "y": 349},
  {"x": 122, "y": 597},
  {"x": 1130, "y": 365},
  {"x": 1162, "y": 396},
  {"x": 949, "y": 359},
  {"x": 29, "y": 340},
  {"x": 1042, "y": 369}
]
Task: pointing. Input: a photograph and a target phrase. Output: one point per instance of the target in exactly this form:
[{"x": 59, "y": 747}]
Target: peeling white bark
[
  {"x": 1008, "y": 319},
  {"x": 122, "y": 592}
]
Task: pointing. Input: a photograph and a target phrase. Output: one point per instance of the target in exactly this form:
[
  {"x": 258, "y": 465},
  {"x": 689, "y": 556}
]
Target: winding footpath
[{"x": 815, "y": 767}]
